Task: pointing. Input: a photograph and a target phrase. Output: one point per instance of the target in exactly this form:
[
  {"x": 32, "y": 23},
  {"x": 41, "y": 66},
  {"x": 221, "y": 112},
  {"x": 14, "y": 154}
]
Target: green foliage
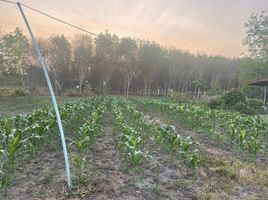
[
  {"x": 25, "y": 135},
  {"x": 87, "y": 134},
  {"x": 216, "y": 103},
  {"x": 20, "y": 92},
  {"x": 132, "y": 136},
  {"x": 14, "y": 46},
  {"x": 255, "y": 104},
  {"x": 256, "y": 35},
  {"x": 246, "y": 131},
  {"x": 200, "y": 83},
  {"x": 184, "y": 145},
  {"x": 242, "y": 107},
  {"x": 235, "y": 100},
  {"x": 72, "y": 92},
  {"x": 233, "y": 97},
  {"x": 252, "y": 91},
  {"x": 179, "y": 97},
  {"x": 134, "y": 129},
  {"x": 215, "y": 88},
  {"x": 5, "y": 92},
  {"x": 251, "y": 70}
]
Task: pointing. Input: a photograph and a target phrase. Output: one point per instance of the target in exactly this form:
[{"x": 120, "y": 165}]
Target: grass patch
[
  {"x": 224, "y": 177},
  {"x": 10, "y": 106}
]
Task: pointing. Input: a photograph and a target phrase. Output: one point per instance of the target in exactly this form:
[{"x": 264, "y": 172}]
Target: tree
[
  {"x": 257, "y": 35},
  {"x": 256, "y": 66},
  {"x": 251, "y": 70},
  {"x": 200, "y": 84},
  {"x": 128, "y": 50},
  {"x": 172, "y": 68},
  {"x": 106, "y": 57},
  {"x": 122, "y": 64},
  {"x": 151, "y": 57},
  {"x": 59, "y": 60},
  {"x": 14, "y": 48},
  {"x": 82, "y": 53}
]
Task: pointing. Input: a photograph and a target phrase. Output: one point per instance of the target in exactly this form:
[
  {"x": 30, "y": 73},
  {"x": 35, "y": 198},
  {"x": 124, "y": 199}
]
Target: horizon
[{"x": 168, "y": 23}]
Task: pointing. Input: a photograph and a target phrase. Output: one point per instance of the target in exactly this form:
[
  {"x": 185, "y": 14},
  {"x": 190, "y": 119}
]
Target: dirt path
[
  {"x": 113, "y": 181},
  {"x": 110, "y": 179}
]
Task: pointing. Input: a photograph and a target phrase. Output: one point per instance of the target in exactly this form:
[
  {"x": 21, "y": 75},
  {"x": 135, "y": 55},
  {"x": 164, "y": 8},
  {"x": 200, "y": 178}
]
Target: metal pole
[{"x": 43, "y": 65}]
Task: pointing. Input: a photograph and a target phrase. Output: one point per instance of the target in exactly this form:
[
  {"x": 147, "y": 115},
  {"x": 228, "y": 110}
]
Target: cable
[
  {"x": 59, "y": 20},
  {"x": 54, "y": 18},
  {"x": 12, "y": 2}
]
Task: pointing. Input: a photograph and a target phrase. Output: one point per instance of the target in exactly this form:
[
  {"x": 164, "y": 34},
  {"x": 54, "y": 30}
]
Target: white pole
[{"x": 43, "y": 65}]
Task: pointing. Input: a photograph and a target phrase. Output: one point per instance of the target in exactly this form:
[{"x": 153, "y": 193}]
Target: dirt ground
[{"x": 222, "y": 175}]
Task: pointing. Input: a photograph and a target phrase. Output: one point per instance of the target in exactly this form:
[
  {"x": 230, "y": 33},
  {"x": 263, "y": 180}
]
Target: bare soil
[{"x": 221, "y": 174}]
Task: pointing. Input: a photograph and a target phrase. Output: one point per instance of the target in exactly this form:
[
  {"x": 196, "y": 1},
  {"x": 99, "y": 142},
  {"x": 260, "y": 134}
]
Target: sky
[{"x": 214, "y": 27}]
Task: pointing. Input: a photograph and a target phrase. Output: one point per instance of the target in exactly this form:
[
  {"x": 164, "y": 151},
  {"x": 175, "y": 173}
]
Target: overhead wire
[
  {"x": 6, "y": 1},
  {"x": 52, "y": 17}
]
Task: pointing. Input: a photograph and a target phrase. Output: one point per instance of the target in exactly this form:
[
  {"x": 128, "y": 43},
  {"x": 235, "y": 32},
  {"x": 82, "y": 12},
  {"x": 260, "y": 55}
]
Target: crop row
[
  {"x": 24, "y": 135},
  {"x": 135, "y": 129},
  {"x": 87, "y": 133},
  {"x": 245, "y": 131},
  {"x": 130, "y": 137}
]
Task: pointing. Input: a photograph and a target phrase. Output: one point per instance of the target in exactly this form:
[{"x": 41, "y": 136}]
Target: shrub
[
  {"x": 179, "y": 97},
  {"x": 242, "y": 108},
  {"x": 87, "y": 91},
  {"x": 73, "y": 92},
  {"x": 255, "y": 104},
  {"x": 19, "y": 92},
  {"x": 232, "y": 97},
  {"x": 216, "y": 103},
  {"x": 5, "y": 92}
]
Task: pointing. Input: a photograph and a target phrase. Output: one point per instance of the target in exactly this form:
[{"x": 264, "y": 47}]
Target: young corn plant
[
  {"x": 131, "y": 139},
  {"x": 87, "y": 133},
  {"x": 243, "y": 131},
  {"x": 9, "y": 155}
]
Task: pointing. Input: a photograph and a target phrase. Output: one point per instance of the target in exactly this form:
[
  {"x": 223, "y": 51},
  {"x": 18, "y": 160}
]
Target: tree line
[{"x": 126, "y": 65}]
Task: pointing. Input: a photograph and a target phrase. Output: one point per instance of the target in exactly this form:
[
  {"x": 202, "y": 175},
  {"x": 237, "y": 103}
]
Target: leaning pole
[{"x": 53, "y": 98}]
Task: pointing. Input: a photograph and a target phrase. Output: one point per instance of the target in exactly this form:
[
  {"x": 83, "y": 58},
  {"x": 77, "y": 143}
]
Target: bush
[
  {"x": 73, "y": 92},
  {"x": 255, "y": 104},
  {"x": 87, "y": 91},
  {"x": 5, "y": 92},
  {"x": 236, "y": 100},
  {"x": 232, "y": 97},
  {"x": 243, "y": 108},
  {"x": 179, "y": 97},
  {"x": 252, "y": 91},
  {"x": 216, "y": 103},
  {"x": 19, "y": 92}
]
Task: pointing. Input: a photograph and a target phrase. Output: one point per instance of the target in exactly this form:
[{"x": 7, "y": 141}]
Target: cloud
[{"x": 211, "y": 26}]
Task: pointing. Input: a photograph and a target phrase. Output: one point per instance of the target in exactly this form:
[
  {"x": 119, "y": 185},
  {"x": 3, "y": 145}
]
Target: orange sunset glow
[{"x": 200, "y": 26}]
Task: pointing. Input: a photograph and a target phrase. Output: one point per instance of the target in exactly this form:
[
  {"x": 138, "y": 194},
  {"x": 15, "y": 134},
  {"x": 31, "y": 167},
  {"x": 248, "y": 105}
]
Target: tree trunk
[
  {"x": 128, "y": 84},
  {"x": 167, "y": 88},
  {"x": 80, "y": 87}
]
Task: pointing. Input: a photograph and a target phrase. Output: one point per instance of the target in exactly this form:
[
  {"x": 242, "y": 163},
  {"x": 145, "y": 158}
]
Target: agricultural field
[{"x": 135, "y": 148}]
